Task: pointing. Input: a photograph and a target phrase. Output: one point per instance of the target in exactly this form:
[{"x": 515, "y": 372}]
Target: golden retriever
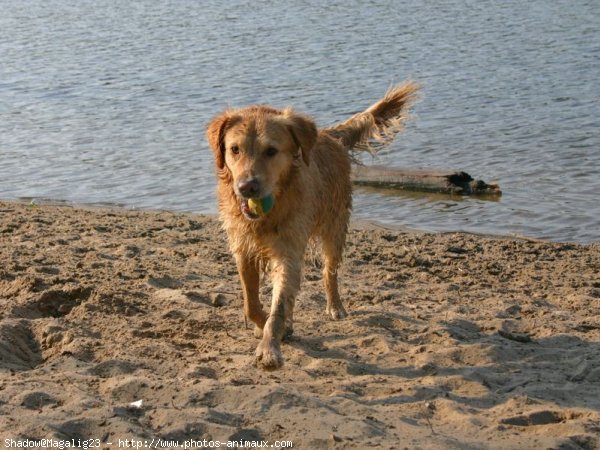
[{"x": 262, "y": 152}]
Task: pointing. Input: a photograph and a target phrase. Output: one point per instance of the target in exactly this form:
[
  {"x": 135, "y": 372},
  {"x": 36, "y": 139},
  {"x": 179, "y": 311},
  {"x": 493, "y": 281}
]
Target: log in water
[{"x": 449, "y": 182}]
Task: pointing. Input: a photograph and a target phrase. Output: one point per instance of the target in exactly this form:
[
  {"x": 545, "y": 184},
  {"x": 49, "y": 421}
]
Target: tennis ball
[{"x": 261, "y": 206}]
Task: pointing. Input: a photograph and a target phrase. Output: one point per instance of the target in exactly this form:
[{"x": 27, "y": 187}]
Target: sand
[{"x": 453, "y": 341}]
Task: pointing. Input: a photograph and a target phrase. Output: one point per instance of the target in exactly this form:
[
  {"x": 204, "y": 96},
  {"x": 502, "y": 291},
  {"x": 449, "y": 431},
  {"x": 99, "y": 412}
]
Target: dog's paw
[
  {"x": 258, "y": 332},
  {"x": 337, "y": 313},
  {"x": 268, "y": 356}
]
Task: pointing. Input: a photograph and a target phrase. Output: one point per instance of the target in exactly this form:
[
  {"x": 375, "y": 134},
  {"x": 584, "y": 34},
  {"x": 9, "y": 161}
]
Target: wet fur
[{"x": 310, "y": 180}]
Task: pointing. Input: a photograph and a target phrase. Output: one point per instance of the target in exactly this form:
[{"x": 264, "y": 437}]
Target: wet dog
[{"x": 299, "y": 176}]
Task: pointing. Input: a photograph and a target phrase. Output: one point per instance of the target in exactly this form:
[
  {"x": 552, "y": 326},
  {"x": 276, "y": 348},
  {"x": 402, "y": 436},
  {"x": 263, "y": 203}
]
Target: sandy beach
[{"x": 453, "y": 341}]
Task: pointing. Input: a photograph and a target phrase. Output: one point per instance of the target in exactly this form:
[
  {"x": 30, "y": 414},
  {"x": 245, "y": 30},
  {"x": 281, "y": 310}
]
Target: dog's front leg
[
  {"x": 286, "y": 283},
  {"x": 249, "y": 270}
]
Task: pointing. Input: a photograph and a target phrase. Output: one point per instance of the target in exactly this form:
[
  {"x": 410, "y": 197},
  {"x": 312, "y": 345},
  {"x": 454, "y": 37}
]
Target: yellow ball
[
  {"x": 261, "y": 206},
  {"x": 255, "y": 206}
]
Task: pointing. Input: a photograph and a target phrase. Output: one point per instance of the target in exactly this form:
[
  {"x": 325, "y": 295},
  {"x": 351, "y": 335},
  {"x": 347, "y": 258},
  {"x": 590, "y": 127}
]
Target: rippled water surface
[{"x": 106, "y": 101}]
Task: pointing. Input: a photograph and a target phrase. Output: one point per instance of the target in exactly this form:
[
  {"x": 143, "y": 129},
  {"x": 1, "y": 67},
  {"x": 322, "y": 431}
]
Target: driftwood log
[{"x": 449, "y": 182}]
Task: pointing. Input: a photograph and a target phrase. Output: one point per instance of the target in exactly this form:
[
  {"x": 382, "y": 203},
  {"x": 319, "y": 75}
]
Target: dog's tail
[{"x": 377, "y": 126}]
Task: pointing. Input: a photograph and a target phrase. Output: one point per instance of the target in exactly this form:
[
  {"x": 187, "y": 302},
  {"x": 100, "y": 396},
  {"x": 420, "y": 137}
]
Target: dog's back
[{"x": 368, "y": 130}]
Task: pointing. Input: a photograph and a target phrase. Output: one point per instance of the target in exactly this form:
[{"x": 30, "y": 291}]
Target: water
[{"x": 106, "y": 102}]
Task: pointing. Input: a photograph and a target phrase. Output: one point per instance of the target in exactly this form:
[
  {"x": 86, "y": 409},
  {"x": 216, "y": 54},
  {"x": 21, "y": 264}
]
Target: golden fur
[{"x": 282, "y": 153}]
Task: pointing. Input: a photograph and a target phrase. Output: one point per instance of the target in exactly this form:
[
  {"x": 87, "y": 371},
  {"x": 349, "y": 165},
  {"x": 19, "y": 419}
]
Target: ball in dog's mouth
[{"x": 255, "y": 208}]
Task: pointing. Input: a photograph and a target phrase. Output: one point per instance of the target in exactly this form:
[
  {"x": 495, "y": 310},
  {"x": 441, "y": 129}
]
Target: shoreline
[
  {"x": 355, "y": 223},
  {"x": 453, "y": 340}
]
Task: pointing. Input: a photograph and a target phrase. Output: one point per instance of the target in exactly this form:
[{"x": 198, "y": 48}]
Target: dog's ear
[
  {"x": 215, "y": 135},
  {"x": 303, "y": 131}
]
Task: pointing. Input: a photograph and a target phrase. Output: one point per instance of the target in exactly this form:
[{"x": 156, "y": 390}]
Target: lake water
[{"x": 107, "y": 101}]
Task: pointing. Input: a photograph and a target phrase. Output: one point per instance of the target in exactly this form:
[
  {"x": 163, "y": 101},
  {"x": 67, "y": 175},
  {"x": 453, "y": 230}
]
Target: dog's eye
[
  {"x": 271, "y": 151},
  {"x": 235, "y": 149}
]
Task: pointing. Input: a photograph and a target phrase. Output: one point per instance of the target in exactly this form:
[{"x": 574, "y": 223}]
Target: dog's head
[{"x": 258, "y": 148}]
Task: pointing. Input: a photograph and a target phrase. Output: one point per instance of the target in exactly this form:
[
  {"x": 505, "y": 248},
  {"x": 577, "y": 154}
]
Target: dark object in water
[{"x": 448, "y": 182}]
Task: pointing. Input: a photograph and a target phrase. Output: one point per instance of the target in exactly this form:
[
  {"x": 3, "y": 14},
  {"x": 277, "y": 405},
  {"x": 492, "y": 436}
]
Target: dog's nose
[{"x": 249, "y": 188}]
